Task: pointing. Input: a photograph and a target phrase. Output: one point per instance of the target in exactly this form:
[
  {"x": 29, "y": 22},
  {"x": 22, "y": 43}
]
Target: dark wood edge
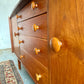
[
  {"x": 11, "y": 34},
  {"x": 19, "y": 6},
  {"x": 19, "y": 64}
]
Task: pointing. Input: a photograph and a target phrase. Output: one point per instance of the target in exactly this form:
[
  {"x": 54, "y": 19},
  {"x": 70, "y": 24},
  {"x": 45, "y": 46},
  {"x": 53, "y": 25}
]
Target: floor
[{"x": 8, "y": 55}]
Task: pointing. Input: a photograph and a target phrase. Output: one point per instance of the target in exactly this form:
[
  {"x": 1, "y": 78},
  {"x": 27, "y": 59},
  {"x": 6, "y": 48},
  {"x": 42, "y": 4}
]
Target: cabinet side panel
[
  {"x": 66, "y": 24},
  {"x": 15, "y": 38},
  {"x": 11, "y": 34}
]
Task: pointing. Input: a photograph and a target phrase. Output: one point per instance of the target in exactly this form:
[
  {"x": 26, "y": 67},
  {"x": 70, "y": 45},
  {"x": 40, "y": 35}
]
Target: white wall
[{"x": 6, "y": 7}]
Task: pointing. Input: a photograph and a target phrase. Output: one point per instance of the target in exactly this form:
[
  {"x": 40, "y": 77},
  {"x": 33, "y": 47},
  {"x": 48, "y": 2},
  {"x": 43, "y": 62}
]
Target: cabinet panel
[
  {"x": 63, "y": 24},
  {"x": 11, "y": 34},
  {"x": 15, "y": 38}
]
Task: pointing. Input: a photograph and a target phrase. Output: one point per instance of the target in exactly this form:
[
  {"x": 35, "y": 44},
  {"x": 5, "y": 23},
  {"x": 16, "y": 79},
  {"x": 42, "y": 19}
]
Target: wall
[{"x": 6, "y": 7}]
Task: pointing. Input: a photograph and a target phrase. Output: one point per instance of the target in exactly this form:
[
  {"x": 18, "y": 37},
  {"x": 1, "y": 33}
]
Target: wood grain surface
[
  {"x": 28, "y": 12},
  {"x": 34, "y": 67},
  {"x": 66, "y": 23},
  {"x": 15, "y": 38},
  {"x": 30, "y": 43},
  {"x": 28, "y": 30}
]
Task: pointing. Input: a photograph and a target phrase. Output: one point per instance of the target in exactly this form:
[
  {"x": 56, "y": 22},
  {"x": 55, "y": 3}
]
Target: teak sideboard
[{"x": 47, "y": 37}]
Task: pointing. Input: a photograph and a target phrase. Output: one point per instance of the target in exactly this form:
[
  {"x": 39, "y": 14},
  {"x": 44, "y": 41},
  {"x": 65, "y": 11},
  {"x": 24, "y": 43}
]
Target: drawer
[
  {"x": 34, "y": 68},
  {"x": 36, "y": 27},
  {"x": 36, "y": 47},
  {"x": 28, "y": 11}
]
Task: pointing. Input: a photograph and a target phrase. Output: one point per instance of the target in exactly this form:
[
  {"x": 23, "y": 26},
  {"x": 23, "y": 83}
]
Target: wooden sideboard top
[{"x": 19, "y": 6}]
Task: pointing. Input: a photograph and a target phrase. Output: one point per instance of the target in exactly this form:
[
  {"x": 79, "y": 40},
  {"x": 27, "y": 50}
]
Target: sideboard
[{"x": 47, "y": 37}]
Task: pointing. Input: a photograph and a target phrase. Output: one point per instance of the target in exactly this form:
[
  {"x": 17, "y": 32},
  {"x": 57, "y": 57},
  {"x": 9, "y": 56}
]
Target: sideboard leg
[{"x": 19, "y": 64}]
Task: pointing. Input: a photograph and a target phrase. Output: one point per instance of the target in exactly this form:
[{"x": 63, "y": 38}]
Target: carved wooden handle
[
  {"x": 38, "y": 76},
  {"x": 34, "y": 5},
  {"x": 36, "y": 51},
  {"x": 21, "y": 41},
  {"x": 21, "y": 57},
  {"x": 19, "y": 28},
  {"x": 35, "y": 27},
  {"x": 16, "y": 34},
  {"x": 55, "y": 44},
  {"x": 18, "y": 16}
]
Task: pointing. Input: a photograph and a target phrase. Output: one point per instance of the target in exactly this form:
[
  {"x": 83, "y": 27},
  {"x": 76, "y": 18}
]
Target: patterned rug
[{"x": 9, "y": 73}]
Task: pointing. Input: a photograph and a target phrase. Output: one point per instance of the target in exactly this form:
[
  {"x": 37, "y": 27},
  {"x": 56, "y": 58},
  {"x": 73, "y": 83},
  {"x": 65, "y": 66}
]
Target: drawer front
[
  {"x": 36, "y": 47},
  {"x": 34, "y": 68},
  {"x": 28, "y": 11},
  {"x": 36, "y": 27}
]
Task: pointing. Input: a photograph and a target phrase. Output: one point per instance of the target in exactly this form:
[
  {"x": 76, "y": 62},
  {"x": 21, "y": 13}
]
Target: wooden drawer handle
[
  {"x": 55, "y": 44},
  {"x": 21, "y": 57},
  {"x": 35, "y": 27},
  {"x": 34, "y": 5},
  {"x": 16, "y": 34},
  {"x": 38, "y": 76},
  {"x": 36, "y": 51},
  {"x": 18, "y": 16},
  {"x": 19, "y": 28},
  {"x": 21, "y": 41}
]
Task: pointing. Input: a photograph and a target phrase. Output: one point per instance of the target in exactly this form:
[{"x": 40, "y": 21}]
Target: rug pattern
[{"x": 9, "y": 73}]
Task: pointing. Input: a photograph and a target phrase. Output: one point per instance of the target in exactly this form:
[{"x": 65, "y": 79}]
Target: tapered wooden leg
[{"x": 19, "y": 64}]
